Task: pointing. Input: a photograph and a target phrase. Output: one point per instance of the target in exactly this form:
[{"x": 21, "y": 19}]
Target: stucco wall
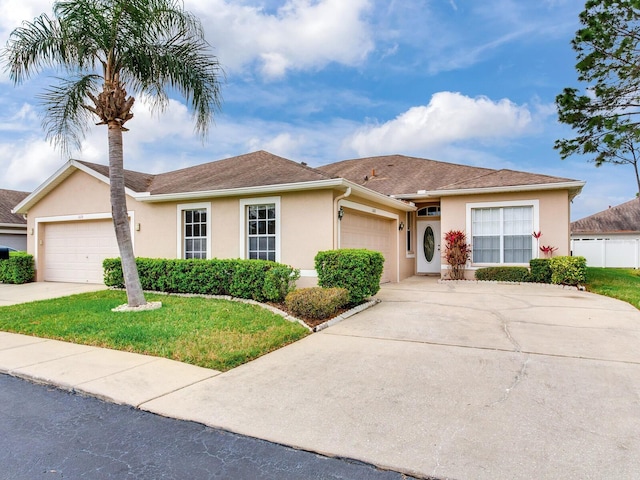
[{"x": 554, "y": 214}]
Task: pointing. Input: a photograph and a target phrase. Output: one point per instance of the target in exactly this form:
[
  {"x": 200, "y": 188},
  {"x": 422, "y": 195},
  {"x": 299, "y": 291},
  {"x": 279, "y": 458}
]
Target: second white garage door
[
  {"x": 74, "y": 251},
  {"x": 359, "y": 230}
]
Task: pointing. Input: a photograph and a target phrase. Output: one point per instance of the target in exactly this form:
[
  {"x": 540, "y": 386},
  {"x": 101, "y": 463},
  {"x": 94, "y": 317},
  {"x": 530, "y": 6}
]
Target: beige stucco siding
[
  {"x": 553, "y": 214},
  {"x": 307, "y": 227}
]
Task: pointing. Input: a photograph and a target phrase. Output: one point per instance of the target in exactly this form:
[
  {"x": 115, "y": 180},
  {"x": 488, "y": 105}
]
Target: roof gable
[
  {"x": 623, "y": 218},
  {"x": 8, "y": 200}
]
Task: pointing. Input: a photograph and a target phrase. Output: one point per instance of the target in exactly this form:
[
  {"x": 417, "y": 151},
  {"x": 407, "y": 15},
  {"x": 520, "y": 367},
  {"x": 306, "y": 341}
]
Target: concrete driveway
[
  {"x": 29, "y": 292},
  {"x": 453, "y": 380}
]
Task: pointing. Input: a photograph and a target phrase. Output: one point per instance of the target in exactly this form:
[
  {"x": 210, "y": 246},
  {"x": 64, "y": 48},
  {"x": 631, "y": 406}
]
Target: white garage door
[
  {"x": 359, "y": 230},
  {"x": 74, "y": 251}
]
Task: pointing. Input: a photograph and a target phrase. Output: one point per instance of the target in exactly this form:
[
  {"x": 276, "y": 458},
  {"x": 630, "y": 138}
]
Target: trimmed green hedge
[
  {"x": 357, "y": 270},
  {"x": 316, "y": 302},
  {"x": 254, "y": 279},
  {"x": 540, "y": 270},
  {"x": 557, "y": 270},
  {"x": 19, "y": 268},
  {"x": 568, "y": 270},
  {"x": 503, "y": 274}
]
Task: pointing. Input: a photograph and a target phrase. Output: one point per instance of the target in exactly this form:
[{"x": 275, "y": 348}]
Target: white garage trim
[
  {"x": 75, "y": 218},
  {"x": 359, "y": 207}
]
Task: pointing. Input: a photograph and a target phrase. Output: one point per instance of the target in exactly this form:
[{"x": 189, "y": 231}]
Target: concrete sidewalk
[
  {"x": 444, "y": 380},
  {"x": 30, "y": 292}
]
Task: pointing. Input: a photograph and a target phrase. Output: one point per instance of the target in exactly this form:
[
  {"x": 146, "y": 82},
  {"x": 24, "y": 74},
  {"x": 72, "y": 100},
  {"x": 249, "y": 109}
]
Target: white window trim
[
  {"x": 410, "y": 253},
  {"x": 244, "y": 242},
  {"x": 512, "y": 203},
  {"x": 180, "y": 208}
]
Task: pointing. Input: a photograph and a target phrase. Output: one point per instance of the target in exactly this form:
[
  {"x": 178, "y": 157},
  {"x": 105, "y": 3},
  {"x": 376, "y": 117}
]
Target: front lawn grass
[
  {"x": 620, "y": 283},
  {"x": 217, "y": 334}
]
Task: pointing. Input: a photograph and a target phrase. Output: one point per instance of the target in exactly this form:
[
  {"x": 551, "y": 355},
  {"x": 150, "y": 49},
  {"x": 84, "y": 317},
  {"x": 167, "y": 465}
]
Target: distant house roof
[
  {"x": 623, "y": 218},
  {"x": 8, "y": 200},
  {"x": 404, "y": 176}
]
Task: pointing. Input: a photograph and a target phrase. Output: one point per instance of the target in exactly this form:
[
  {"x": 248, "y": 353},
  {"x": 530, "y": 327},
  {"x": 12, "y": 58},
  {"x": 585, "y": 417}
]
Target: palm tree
[{"x": 152, "y": 47}]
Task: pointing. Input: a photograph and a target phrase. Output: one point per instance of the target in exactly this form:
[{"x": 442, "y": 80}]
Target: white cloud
[
  {"x": 26, "y": 164},
  {"x": 300, "y": 35},
  {"x": 448, "y": 118}
]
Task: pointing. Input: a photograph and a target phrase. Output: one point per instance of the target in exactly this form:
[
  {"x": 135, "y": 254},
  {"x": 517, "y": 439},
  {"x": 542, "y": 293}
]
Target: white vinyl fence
[{"x": 608, "y": 252}]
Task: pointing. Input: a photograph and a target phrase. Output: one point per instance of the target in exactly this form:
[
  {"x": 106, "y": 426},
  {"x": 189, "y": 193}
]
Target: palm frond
[
  {"x": 32, "y": 47},
  {"x": 66, "y": 118}
]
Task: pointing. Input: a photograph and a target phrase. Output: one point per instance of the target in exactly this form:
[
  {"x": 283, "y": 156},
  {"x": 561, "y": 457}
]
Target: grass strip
[
  {"x": 217, "y": 334},
  {"x": 620, "y": 283}
]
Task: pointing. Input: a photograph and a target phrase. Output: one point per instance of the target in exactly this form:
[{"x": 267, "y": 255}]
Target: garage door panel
[
  {"x": 74, "y": 251},
  {"x": 371, "y": 232}
]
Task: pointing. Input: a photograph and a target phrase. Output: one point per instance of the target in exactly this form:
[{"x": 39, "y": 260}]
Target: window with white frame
[
  {"x": 195, "y": 233},
  {"x": 502, "y": 234},
  {"x": 409, "y": 228},
  {"x": 260, "y": 228},
  {"x": 194, "y": 230}
]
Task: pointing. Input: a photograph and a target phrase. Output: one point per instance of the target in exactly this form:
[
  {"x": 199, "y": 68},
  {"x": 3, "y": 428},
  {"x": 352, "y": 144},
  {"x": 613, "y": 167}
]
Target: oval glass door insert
[{"x": 429, "y": 244}]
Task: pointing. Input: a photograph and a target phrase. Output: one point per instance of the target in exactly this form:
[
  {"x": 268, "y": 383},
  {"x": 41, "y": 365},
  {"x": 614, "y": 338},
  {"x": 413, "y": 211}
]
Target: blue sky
[{"x": 460, "y": 81}]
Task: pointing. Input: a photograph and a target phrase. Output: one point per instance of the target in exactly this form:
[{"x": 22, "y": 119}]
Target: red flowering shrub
[{"x": 456, "y": 253}]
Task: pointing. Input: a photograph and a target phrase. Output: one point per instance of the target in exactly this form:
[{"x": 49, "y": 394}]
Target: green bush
[
  {"x": 540, "y": 270},
  {"x": 278, "y": 282},
  {"x": 503, "y": 274},
  {"x": 316, "y": 302},
  {"x": 358, "y": 271},
  {"x": 18, "y": 269},
  {"x": 255, "y": 279},
  {"x": 568, "y": 270}
]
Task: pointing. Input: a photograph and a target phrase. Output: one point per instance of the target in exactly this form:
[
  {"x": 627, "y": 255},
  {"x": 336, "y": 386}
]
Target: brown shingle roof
[
  {"x": 136, "y": 181},
  {"x": 402, "y": 175},
  {"x": 8, "y": 200},
  {"x": 389, "y": 175},
  {"x": 623, "y": 218},
  {"x": 250, "y": 170},
  {"x": 505, "y": 178}
]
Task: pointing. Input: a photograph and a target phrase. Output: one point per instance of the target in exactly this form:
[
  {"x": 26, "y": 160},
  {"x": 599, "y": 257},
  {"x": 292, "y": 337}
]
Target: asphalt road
[{"x": 53, "y": 434}]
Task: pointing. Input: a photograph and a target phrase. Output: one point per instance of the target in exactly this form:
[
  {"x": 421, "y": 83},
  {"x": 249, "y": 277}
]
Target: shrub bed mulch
[{"x": 313, "y": 324}]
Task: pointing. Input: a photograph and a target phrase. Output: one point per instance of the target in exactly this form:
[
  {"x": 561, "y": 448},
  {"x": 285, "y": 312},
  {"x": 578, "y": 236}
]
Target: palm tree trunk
[{"x": 135, "y": 296}]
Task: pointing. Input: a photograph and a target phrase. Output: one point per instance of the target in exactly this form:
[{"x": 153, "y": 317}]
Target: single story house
[
  {"x": 13, "y": 226},
  {"x": 610, "y": 238},
  {"x": 260, "y": 205}
]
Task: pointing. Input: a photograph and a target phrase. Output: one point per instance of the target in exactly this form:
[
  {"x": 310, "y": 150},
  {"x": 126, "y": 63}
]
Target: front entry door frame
[{"x": 428, "y": 243}]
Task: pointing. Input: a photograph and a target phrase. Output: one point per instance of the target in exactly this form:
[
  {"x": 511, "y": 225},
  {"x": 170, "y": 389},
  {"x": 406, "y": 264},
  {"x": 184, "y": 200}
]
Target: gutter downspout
[{"x": 336, "y": 225}]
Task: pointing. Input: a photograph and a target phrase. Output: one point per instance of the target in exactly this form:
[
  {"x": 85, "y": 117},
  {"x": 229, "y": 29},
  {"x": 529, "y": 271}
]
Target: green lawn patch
[
  {"x": 620, "y": 283},
  {"x": 217, "y": 334}
]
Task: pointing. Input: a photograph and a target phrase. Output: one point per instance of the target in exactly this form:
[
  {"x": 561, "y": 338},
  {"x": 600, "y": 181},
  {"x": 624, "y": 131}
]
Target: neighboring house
[
  {"x": 610, "y": 238},
  {"x": 260, "y": 205},
  {"x": 13, "y": 227}
]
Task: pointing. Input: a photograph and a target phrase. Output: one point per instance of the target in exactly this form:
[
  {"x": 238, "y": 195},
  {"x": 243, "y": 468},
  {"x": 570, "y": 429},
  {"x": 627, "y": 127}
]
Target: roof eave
[
  {"x": 13, "y": 225},
  {"x": 278, "y": 188},
  {"x": 575, "y": 187}
]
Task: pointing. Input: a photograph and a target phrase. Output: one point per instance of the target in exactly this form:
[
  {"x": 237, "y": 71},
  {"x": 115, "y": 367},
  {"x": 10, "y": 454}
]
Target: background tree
[
  {"x": 606, "y": 115},
  {"x": 103, "y": 47}
]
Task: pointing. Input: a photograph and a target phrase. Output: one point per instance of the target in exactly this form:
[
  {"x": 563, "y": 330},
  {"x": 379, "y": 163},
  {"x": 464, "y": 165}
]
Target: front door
[{"x": 428, "y": 246}]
